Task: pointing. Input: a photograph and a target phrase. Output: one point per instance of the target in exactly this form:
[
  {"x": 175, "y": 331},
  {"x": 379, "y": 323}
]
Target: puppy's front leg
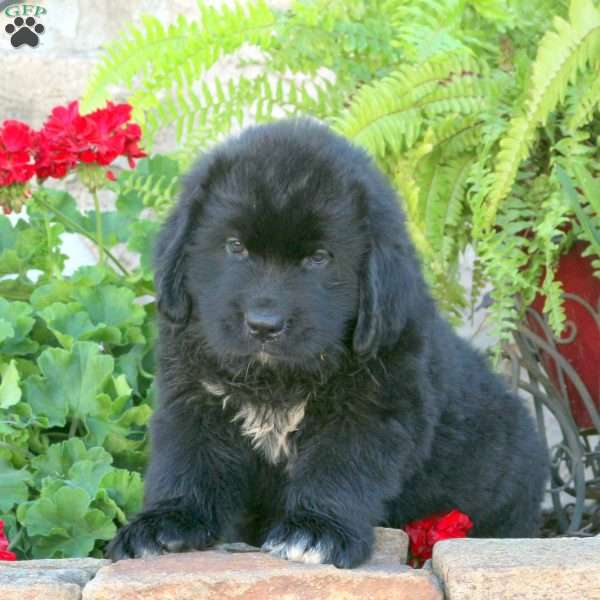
[
  {"x": 338, "y": 484},
  {"x": 196, "y": 485}
]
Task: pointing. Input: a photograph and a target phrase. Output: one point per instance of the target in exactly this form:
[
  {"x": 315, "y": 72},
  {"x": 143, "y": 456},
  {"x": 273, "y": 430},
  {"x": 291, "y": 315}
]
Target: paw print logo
[{"x": 24, "y": 31}]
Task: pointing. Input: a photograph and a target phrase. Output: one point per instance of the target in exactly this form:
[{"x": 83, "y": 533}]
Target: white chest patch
[{"x": 268, "y": 427}]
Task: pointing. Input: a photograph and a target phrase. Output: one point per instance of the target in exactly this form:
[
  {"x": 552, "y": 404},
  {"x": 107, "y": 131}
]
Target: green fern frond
[
  {"x": 562, "y": 54},
  {"x": 153, "y": 54},
  {"x": 456, "y": 134},
  {"x": 586, "y": 103},
  {"x": 221, "y": 106},
  {"x": 389, "y": 115},
  {"x": 155, "y": 191},
  {"x": 441, "y": 202}
]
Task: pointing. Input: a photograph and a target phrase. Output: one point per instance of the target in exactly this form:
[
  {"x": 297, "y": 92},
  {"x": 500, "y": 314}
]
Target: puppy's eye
[
  {"x": 319, "y": 259},
  {"x": 235, "y": 248}
]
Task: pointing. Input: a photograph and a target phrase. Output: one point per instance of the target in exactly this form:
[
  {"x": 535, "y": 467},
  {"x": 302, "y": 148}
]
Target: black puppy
[{"x": 309, "y": 389}]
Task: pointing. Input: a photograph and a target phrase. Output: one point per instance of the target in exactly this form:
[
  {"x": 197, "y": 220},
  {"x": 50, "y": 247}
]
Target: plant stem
[
  {"x": 73, "y": 428},
  {"x": 51, "y": 256},
  {"x": 99, "y": 233},
  {"x": 75, "y": 227},
  {"x": 16, "y": 539}
]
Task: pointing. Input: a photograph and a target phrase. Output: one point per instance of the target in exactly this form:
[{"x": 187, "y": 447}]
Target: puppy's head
[{"x": 287, "y": 247}]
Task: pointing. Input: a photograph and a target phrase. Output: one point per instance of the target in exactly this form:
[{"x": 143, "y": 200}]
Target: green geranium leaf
[
  {"x": 10, "y": 390},
  {"x": 126, "y": 490},
  {"x": 142, "y": 239},
  {"x": 87, "y": 474},
  {"x": 61, "y": 458},
  {"x": 6, "y": 330},
  {"x": 69, "y": 323},
  {"x": 25, "y": 246},
  {"x": 63, "y": 290},
  {"x": 114, "y": 226},
  {"x": 8, "y": 234},
  {"x": 89, "y": 276},
  {"x": 111, "y": 305},
  {"x": 18, "y": 315},
  {"x": 13, "y": 485},
  {"x": 70, "y": 382},
  {"x": 119, "y": 427},
  {"x": 49, "y": 293},
  {"x": 62, "y": 523}
]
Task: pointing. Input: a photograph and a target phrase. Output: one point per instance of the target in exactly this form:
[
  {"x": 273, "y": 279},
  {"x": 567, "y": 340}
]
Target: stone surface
[
  {"x": 530, "y": 569},
  {"x": 243, "y": 573},
  {"x": 390, "y": 545},
  {"x": 47, "y": 579},
  {"x": 220, "y": 575}
]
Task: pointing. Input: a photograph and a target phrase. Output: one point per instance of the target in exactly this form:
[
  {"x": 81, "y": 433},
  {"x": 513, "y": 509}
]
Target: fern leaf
[
  {"x": 587, "y": 103},
  {"x": 390, "y": 114},
  {"x": 157, "y": 56},
  {"x": 562, "y": 53}
]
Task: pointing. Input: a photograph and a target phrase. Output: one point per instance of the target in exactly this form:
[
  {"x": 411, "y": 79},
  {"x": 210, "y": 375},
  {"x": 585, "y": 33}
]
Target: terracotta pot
[{"x": 580, "y": 347}]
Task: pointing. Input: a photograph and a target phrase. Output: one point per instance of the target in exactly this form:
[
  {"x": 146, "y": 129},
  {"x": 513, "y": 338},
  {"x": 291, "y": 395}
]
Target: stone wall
[{"x": 467, "y": 569}]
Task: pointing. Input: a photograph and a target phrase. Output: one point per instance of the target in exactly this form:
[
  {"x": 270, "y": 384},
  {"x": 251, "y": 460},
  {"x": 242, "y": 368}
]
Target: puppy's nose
[{"x": 264, "y": 324}]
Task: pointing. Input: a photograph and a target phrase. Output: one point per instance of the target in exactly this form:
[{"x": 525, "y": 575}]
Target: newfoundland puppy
[{"x": 309, "y": 389}]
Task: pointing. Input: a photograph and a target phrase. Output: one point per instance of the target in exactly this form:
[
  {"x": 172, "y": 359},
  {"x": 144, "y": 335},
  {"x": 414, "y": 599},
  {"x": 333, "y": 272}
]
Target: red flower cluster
[
  {"x": 17, "y": 142},
  {"x": 5, "y": 553},
  {"x": 66, "y": 140},
  {"x": 69, "y": 138},
  {"x": 424, "y": 533}
]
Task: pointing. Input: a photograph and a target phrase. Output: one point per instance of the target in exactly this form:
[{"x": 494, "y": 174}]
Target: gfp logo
[{"x": 24, "y": 27}]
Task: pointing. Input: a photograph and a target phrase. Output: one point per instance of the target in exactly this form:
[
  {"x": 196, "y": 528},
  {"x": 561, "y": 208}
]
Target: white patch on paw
[
  {"x": 175, "y": 546},
  {"x": 148, "y": 553},
  {"x": 315, "y": 556},
  {"x": 299, "y": 551},
  {"x": 296, "y": 550}
]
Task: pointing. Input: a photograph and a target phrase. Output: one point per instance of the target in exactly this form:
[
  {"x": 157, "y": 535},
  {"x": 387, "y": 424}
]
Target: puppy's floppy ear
[
  {"x": 392, "y": 291},
  {"x": 170, "y": 251}
]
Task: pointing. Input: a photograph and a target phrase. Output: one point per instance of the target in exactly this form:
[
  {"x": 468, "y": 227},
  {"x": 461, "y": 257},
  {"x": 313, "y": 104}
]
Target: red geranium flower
[
  {"x": 5, "y": 553},
  {"x": 424, "y": 533},
  {"x": 17, "y": 143},
  {"x": 69, "y": 138}
]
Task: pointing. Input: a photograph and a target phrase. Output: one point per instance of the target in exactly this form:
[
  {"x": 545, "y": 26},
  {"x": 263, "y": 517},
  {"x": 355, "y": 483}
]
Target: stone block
[
  {"x": 46, "y": 579},
  {"x": 230, "y": 572},
  {"x": 519, "y": 569}
]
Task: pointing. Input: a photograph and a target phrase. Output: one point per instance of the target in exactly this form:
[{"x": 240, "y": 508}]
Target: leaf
[
  {"x": 8, "y": 235},
  {"x": 13, "y": 485},
  {"x": 18, "y": 316},
  {"x": 575, "y": 201},
  {"x": 111, "y": 305},
  {"x": 87, "y": 474},
  {"x": 6, "y": 330},
  {"x": 10, "y": 391},
  {"x": 562, "y": 54},
  {"x": 59, "y": 460},
  {"x": 63, "y": 524},
  {"x": 142, "y": 238},
  {"x": 126, "y": 489},
  {"x": 70, "y": 323},
  {"x": 70, "y": 383}
]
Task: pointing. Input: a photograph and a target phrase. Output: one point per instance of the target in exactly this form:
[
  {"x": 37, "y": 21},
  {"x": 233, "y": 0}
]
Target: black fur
[{"x": 402, "y": 418}]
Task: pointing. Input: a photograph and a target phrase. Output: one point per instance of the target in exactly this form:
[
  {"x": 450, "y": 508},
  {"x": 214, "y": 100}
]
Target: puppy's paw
[
  {"x": 317, "y": 540},
  {"x": 160, "y": 531}
]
